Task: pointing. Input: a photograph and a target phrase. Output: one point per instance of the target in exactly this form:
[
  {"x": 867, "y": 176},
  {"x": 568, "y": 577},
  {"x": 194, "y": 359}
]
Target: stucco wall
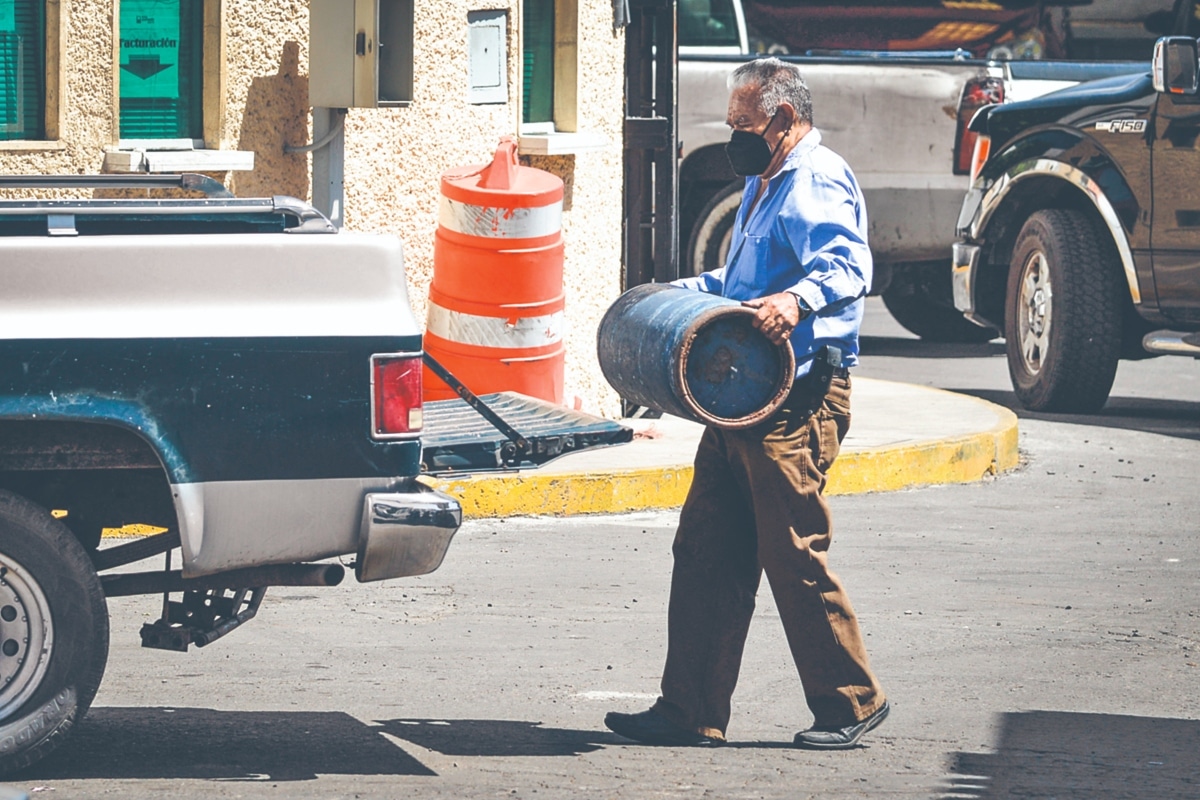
[{"x": 393, "y": 156}]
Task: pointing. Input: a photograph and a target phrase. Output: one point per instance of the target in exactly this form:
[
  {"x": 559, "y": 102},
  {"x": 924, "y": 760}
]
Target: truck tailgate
[{"x": 457, "y": 438}]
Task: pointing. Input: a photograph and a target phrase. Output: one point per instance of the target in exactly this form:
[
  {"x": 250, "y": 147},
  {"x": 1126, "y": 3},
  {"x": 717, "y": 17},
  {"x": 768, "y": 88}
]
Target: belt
[{"x": 810, "y": 389}]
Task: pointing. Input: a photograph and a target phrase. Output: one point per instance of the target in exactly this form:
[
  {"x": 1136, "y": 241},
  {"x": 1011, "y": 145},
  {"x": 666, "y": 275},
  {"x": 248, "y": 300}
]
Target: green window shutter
[
  {"x": 537, "y": 61},
  {"x": 161, "y": 58},
  {"x": 22, "y": 69}
]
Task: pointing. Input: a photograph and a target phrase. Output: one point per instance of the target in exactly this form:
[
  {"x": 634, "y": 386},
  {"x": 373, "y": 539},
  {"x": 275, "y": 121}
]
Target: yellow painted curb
[{"x": 961, "y": 459}]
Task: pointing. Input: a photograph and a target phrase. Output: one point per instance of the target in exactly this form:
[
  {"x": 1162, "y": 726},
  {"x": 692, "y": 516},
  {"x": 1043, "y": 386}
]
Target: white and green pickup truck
[
  {"x": 236, "y": 374},
  {"x": 899, "y": 117}
]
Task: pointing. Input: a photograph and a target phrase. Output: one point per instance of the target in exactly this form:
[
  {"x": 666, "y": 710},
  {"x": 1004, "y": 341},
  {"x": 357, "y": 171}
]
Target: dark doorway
[{"x": 651, "y": 143}]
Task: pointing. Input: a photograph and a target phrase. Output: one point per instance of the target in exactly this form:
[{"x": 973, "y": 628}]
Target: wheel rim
[
  {"x": 1034, "y": 312},
  {"x": 26, "y": 635}
]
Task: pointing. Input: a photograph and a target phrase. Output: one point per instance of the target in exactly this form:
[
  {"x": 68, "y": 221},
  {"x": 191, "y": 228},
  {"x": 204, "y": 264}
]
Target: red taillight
[
  {"x": 395, "y": 395},
  {"x": 978, "y": 92}
]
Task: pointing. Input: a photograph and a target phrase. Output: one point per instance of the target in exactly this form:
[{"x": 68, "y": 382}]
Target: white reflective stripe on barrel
[
  {"x": 520, "y": 332},
  {"x": 500, "y": 223}
]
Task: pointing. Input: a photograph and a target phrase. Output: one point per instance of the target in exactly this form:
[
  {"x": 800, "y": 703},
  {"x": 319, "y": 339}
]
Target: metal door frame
[{"x": 651, "y": 251}]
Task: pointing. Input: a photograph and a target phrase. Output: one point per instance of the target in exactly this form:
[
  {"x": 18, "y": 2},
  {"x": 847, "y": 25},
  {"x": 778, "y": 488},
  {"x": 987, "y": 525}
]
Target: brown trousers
[{"x": 755, "y": 505}]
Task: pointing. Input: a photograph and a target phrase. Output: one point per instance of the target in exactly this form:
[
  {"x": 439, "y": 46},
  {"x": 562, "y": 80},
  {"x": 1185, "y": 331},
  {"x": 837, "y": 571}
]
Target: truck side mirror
[{"x": 1176, "y": 65}]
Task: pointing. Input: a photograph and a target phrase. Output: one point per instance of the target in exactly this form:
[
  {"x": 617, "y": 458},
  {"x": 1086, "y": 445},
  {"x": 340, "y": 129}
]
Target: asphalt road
[{"x": 1038, "y": 634}]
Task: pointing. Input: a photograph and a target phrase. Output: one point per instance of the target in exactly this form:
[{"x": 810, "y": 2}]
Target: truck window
[
  {"x": 1126, "y": 31},
  {"x": 1010, "y": 28},
  {"x": 707, "y": 23}
]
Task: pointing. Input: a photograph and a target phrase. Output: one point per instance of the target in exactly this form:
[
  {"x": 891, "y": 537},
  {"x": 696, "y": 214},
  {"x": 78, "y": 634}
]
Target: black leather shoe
[
  {"x": 650, "y": 727},
  {"x": 821, "y": 737}
]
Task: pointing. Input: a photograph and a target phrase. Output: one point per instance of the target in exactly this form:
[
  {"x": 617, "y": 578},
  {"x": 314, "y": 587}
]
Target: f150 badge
[{"x": 1122, "y": 126}]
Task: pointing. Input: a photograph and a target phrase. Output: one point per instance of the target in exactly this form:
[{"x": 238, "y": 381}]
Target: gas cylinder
[{"x": 694, "y": 355}]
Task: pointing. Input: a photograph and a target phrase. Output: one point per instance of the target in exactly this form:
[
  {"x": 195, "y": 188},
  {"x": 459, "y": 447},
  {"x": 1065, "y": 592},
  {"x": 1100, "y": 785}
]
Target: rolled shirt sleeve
[{"x": 828, "y": 239}]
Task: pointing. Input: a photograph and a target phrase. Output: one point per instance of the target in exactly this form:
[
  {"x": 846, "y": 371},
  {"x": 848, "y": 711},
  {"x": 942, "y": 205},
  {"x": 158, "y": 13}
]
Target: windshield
[
  {"x": 707, "y": 23},
  {"x": 977, "y": 26},
  {"x": 1126, "y": 29}
]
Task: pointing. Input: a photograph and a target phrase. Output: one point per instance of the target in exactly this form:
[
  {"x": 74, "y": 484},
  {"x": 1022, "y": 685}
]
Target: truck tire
[
  {"x": 708, "y": 244},
  {"x": 53, "y": 632},
  {"x": 920, "y": 298},
  {"x": 1064, "y": 313}
]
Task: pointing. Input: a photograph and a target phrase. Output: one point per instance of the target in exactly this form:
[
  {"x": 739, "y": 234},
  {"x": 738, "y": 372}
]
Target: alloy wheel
[{"x": 1034, "y": 311}]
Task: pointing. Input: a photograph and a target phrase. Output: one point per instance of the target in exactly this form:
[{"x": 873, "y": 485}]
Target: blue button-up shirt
[{"x": 807, "y": 236}]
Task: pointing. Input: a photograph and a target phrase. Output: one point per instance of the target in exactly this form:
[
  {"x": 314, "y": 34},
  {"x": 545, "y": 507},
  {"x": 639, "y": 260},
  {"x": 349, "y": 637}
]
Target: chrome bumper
[
  {"x": 405, "y": 533},
  {"x": 966, "y": 261}
]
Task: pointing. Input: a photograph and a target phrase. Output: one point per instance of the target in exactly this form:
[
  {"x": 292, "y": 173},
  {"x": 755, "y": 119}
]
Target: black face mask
[{"x": 749, "y": 153}]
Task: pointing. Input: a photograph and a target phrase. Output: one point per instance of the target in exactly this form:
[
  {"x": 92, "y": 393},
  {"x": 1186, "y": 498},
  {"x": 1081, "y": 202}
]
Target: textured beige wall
[{"x": 393, "y": 156}]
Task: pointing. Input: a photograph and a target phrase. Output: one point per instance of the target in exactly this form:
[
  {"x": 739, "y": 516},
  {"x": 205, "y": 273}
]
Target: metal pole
[{"x": 328, "y": 189}]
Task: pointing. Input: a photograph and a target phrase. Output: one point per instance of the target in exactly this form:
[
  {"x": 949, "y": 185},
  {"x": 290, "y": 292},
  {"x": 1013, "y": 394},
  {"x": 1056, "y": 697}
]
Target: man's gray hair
[{"x": 778, "y": 82}]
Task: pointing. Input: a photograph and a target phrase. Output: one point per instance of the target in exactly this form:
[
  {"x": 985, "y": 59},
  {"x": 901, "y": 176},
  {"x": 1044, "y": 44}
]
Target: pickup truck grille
[{"x": 458, "y": 439}]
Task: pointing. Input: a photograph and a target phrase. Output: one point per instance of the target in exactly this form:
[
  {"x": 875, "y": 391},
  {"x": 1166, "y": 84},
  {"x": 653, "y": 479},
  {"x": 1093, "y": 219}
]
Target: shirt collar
[{"x": 805, "y": 146}]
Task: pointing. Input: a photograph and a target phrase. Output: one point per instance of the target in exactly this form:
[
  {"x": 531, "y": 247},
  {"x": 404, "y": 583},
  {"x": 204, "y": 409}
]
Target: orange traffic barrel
[{"x": 496, "y": 302}]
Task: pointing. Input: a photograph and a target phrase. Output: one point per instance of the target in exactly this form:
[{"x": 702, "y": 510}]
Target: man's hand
[{"x": 777, "y": 315}]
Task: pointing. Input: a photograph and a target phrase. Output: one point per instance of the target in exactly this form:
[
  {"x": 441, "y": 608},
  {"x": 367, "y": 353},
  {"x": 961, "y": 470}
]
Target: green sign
[
  {"x": 150, "y": 49},
  {"x": 8, "y": 16}
]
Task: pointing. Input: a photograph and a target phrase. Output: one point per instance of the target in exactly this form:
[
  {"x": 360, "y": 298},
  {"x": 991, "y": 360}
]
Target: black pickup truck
[
  {"x": 235, "y": 374},
  {"x": 1080, "y": 235}
]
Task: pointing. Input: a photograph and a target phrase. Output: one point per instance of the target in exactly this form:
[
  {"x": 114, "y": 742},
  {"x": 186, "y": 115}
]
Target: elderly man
[{"x": 799, "y": 257}]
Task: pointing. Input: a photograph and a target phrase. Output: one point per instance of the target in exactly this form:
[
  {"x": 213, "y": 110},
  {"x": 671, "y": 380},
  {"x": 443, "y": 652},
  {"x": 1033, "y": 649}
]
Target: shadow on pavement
[
  {"x": 918, "y": 348},
  {"x": 1069, "y": 756},
  {"x": 492, "y": 737},
  {"x": 489, "y": 737},
  {"x": 1177, "y": 418},
  {"x": 201, "y": 743}
]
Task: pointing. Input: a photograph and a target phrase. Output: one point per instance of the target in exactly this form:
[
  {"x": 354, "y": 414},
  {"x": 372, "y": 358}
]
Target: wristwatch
[{"x": 803, "y": 306}]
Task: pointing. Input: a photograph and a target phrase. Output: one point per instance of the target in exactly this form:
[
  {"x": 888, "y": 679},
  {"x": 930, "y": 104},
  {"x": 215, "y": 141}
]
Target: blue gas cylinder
[{"x": 694, "y": 355}]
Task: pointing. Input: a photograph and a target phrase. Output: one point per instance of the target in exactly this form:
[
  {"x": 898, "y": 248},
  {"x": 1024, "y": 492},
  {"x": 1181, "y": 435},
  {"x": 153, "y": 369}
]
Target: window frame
[
  {"x": 54, "y": 80},
  {"x": 213, "y": 81},
  {"x": 210, "y": 17},
  {"x": 564, "y": 116},
  {"x": 562, "y": 135}
]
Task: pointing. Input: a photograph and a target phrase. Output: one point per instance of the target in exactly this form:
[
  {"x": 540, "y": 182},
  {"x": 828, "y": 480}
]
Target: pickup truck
[
  {"x": 899, "y": 118},
  {"x": 1080, "y": 237},
  {"x": 241, "y": 377}
]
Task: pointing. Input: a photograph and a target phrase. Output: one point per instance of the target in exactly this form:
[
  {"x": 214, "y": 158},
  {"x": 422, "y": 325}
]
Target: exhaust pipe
[
  {"x": 1172, "y": 343},
  {"x": 249, "y": 578}
]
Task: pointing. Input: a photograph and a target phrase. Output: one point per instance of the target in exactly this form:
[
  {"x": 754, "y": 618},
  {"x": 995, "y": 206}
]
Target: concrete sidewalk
[{"x": 901, "y": 436}]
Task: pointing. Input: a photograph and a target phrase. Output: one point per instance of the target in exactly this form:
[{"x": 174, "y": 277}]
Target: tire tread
[
  {"x": 1078, "y": 373},
  {"x": 81, "y": 636}
]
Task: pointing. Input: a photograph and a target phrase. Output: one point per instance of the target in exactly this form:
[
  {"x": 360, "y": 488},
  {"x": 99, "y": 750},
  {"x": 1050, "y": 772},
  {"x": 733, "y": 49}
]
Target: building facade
[{"x": 223, "y": 87}]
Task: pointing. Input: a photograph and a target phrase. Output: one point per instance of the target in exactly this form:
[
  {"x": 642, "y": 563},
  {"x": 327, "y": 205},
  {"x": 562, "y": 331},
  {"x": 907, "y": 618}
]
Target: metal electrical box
[
  {"x": 487, "y": 57},
  {"x": 360, "y": 53}
]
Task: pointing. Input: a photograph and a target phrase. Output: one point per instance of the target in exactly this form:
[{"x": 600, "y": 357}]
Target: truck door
[{"x": 1175, "y": 229}]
